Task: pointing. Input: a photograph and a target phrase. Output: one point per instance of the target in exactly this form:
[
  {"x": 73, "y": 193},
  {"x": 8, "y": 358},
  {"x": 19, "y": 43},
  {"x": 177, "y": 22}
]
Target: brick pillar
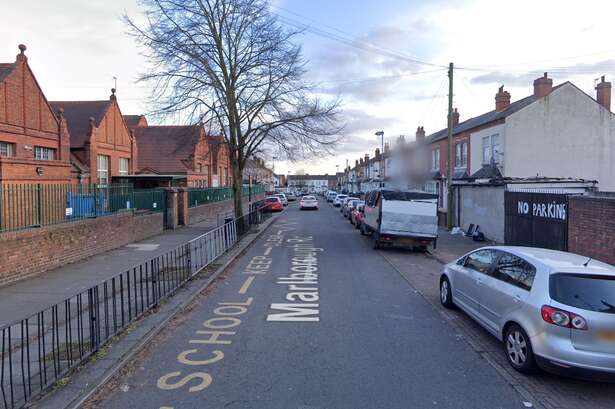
[
  {"x": 182, "y": 206},
  {"x": 172, "y": 216}
]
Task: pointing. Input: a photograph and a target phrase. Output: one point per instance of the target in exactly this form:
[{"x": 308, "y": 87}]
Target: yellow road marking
[{"x": 246, "y": 285}]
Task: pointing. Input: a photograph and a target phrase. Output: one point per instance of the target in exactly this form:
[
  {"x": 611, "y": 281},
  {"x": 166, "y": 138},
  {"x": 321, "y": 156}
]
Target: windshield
[
  {"x": 407, "y": 196},
  {"x": 309, "y": 198},
  {"x": 272, "y": 199},
  {"x": 587, "y": 292}
]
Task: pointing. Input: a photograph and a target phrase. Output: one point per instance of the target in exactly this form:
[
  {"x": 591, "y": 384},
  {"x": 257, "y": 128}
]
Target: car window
[
  {"x": 591, "y": 292},
  {"x": 480, "y": 260},
  {"x": 514, "y": 270}
]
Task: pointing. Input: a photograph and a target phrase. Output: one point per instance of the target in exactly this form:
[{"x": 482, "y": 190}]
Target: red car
[
  {"x": 272, "y": 204},
  {"x": 357, "y": 215}
]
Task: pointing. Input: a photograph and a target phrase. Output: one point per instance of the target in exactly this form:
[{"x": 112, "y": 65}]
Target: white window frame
[
  {"x": 44, "y": 153},
  {"x": 102, "y": 173},
  {"x": 435, "y": 159},
  {"x": 464, "y": 154},
  {"x": 6, "y": 149},
  {"x": 488, "y": 151},
  {"x": 458, "y": 159},
  {"x": 124, "y": 171}
]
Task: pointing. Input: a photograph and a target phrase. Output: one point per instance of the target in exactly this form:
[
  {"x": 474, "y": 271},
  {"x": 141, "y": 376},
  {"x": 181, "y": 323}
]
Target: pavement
[
  {"x": 25, "y": 298},
  {"x": 452, "y": 246},
  {"x": 311, "y": 317}
]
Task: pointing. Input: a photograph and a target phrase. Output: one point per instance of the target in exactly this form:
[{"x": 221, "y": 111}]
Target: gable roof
[
  {"x": 6, "y": 69},
  {"x": 78, "y": 114},
  {"x": 490, "y": 171},
  {"x": 167, "y": 149},
  {"x": 487, "y": 117},
  {"x": 133, "y": 120}
]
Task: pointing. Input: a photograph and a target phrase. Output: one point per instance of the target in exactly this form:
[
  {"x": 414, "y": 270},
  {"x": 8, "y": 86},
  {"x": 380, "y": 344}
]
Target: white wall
[
  {"x": 566, "y": 134},
  {"x": 476, "y": 145},
  {"x": 483, "y": 206}
]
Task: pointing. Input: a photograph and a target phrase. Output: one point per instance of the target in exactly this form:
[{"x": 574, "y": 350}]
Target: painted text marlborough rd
[{"x": 302, "y": 297}]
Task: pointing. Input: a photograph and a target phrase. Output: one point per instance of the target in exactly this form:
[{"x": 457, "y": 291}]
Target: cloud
[{"x": 561, "y": 73}]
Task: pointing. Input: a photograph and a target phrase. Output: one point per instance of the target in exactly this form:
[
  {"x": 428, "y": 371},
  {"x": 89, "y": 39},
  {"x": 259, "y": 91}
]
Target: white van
[{"x": 399, "y": 217}]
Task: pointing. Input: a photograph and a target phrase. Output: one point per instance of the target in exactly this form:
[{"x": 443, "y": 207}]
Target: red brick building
[
  {"x": 221, "y": 174},
  {"x": 34, "y": 142},
  {"x": 102, "y": 146}
]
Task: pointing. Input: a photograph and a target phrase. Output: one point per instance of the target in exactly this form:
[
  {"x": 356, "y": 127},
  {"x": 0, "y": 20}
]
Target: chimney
[
  {"x": 366, "y": 158},
  {"x": 603, "y": 93},
  {"x": 455, "y": 117},
  {"x": 502, "y": 99},
  {"x": 420, "y": 134},
  {"x": 543, "y": 86},
  {"x": 112, "y": 97},
  {"x": 21, "y": 57},
  {"x": 356, "y": 163},
  {"x": 361, "y": 161},
  {"x": 401, "y": 140},
  {"x": 386, "y": 147},
  {"x": 377, "y": 153}
]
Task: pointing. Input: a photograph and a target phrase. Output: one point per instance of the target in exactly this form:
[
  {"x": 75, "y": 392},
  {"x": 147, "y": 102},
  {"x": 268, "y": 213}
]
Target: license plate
[{"x": 607, "y": 336}]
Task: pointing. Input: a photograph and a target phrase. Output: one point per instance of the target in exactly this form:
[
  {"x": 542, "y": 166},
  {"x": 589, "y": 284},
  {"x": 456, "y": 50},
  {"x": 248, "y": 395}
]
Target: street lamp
[{"x": 381, "y": 135}]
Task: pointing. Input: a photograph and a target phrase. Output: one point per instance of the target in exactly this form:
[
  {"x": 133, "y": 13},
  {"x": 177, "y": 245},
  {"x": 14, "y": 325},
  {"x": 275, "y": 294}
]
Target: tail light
[{"x": 562, "y": 318}]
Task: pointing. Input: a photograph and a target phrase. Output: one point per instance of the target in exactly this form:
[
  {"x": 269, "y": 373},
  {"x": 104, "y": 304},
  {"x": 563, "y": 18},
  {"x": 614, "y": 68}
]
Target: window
[
  {"x": 42, "y": 153},
  {"x": 590, "y": 292},
  {"x": 7, "y": 149},
  {"x": 464, "y": 154},
  {"x": 480, "y": 261},
  {"x": 102, "y": 169},
  {"x": 123, "y": 166},
  {"x": 514, "y": 270},
  {"x": 491, "y": 149},
  {"x": 435, "y": 159},
  {"x": 458, "y": 155}
]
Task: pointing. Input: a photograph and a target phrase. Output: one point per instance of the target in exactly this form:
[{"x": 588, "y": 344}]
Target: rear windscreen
[{"x": 587, "y": 292}]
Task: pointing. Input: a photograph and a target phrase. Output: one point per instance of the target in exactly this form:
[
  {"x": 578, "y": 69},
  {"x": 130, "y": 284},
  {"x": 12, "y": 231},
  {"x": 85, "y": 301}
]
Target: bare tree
[{"x": 231, "y": 66}]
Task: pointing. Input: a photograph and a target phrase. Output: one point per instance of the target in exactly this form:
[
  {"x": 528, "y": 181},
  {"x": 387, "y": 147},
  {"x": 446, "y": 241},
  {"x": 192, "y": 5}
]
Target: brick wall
[
  {"x": 591, "y": 227},
  {"x": 210, "y": 211},
  {"x": 61, "y": 244}
]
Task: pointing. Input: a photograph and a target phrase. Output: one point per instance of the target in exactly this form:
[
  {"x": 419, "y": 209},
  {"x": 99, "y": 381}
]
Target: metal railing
[
  {"x": 24, "y": 206},
  {"x": 198, "y": 196},
  {"x": 41, "y": 349}
]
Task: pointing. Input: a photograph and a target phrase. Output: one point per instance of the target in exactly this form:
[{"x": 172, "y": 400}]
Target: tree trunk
[{"x": 237, "y": 189}]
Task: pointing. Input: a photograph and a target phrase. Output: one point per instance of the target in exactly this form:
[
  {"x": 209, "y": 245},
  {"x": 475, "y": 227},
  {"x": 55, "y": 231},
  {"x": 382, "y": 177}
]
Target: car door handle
[
  {"x": 479, "y": 281},
  {"x": 517, "y": 298}
]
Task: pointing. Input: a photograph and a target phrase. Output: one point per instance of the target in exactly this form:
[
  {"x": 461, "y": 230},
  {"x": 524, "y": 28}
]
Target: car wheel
[
  {"x": 446, "y": 294},
  {"x": 518, "y": 350}
]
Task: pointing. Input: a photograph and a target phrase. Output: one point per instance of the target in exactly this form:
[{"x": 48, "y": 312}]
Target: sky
[{"x": 392, "y": 78}]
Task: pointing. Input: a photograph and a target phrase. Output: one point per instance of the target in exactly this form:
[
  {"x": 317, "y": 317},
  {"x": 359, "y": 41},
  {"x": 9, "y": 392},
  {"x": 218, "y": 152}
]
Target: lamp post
[{"x": 381, "y": 135}]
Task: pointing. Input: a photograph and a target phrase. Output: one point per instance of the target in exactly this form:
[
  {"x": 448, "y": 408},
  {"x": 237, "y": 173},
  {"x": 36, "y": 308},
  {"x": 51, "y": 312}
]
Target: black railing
[{"x": 40, "y": 350}]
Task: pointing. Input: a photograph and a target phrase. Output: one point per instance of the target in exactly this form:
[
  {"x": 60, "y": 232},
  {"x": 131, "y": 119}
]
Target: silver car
[{"x": 551, "y": 309}]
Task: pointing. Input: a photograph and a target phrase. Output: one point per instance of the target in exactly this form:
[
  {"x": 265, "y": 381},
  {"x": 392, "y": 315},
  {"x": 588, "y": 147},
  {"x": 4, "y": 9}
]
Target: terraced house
[{"x": 34, "y": 140}]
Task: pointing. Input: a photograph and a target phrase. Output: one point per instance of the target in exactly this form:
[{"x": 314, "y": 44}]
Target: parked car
[
  {"x": 356, "y": 215},
  {"x": 401, "y": 217},
  {"x": 272, "y": 204},
  {"x": 291, "y": 197},
  {"x": 283, "y": 198},
  {"x": 344, "y": 202},
  {"x": 331, "y": 196},
  {"x": 308, "y": 202},
  {"x": 551, "y": 309},
  {"x": 349, "y": 204},
  {"x": 337, "y": 202}
]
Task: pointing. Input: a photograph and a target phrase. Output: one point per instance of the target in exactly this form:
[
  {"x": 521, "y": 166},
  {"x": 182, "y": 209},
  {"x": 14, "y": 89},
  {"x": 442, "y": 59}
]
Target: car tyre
[
  {"x": 518, "y": 349},
  {"x": 446, "y": 293}
]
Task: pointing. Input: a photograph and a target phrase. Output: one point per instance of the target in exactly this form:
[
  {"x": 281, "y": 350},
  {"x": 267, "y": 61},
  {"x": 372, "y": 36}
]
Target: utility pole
[
  {"x": 381, "y": 135},
  {"x": 449, "y": 171}
]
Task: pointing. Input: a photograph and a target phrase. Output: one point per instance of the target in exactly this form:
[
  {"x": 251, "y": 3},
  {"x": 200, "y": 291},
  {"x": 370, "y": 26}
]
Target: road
[{"x": 310, "y": 317}]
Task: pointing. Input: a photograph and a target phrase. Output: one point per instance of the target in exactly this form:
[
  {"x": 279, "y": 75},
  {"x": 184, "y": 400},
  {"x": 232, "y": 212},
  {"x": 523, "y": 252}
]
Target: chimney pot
[
  {"x": 543, "y": 86},
  {"x": 22, "y": 56},
  {"x": 420, "y": 133},
  {"x": 603, "y": 93},
  {"x": 502, "y": 99}
]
